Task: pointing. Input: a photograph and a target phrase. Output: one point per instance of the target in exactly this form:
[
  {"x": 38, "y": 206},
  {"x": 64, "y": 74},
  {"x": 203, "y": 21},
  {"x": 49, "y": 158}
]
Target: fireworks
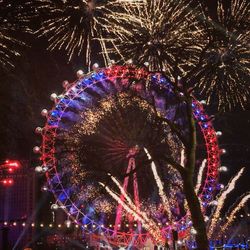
[
  {"x": 216, "y": 213},
  {"x": 234, "y": 209},
  {"x": 160, "y": 187},
  {"x": 200, "y": 175},
  {"x": 13, "y": 18},
  {"x": 151, "y": 227},
  {"x": 162, "y": 33},
  {"x": 224, "y": 72},
  {"x": 130, "y": 203},
  {"x": 76, "y": 26},
  {"x": 103, "y": 123},
  {"x": 102, "y": 205}
]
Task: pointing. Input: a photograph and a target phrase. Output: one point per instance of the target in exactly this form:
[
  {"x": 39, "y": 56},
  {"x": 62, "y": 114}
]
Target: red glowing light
[
  {"x": 10, "y": 165},
  {"x": 15, "y": 164},
  {"x": 7, "y": 182}
]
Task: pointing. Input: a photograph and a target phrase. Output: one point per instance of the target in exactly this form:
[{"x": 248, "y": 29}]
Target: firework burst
[
  {"x": 224, "y": 72},
  {"x": 220, "y": 202},
  {"x": 162, "y": 33},
  {"x": 234, "y": 209},
  {"x": 74, "y": 25},
  {"x": 216, "y": 224},
  {"x": 13, "y": 19}
]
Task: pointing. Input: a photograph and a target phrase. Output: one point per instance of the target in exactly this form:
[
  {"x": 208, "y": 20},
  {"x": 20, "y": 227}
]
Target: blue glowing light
[
  {"x": 52, "y": 123},
  {"x": 205, "y": 125},
  {"x": 55, "y": 113},
  {"x": 62, "y": 197},
  {"x": 65, "y": 101},
  {"x": 86, "y": 81},
  {"x": 101, "y": 74},
  {"x": 163, "y": 80}
]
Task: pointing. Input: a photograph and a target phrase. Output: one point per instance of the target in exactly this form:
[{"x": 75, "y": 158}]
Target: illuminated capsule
[
  {"x": 44, "y": 112},
  {"x": 95, "y": 66},
  {"x": 45, "y": 169},
  {"x": 54, "y": 206},
  {"x": 53, "y": 97},
  {"x": 223, "y": 169},
  {"x": 65, "y": 84},
  {"x": 44, "y": 188},
  {"x": 38, "y": 130},
  {"x": 36, "y": 149},
  {"x": 39, "y": 169},
  {"x": 219, "y": 133},
  {"x": 80, "y": 73},
  {"x": 223, "y": 151}
]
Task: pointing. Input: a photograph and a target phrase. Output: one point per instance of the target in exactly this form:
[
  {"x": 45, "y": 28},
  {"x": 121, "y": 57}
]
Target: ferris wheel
[{"x": 102, "y": 148}]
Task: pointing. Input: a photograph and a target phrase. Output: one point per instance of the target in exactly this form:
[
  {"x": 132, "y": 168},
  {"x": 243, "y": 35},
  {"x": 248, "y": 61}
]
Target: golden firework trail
[
  {"x": 235, "y": 209},
  {"x": 75, "y": 26},
  {"x": 160, "y": 186},
  {"x": 220, "y": 202},
  {"x": 14, "y": 18},
  {"x": 151, "y": 227},
  {"x": 162, "y": 33},
  {"x": 223, "y": 75},
  {"x": 200, "y": 175}
]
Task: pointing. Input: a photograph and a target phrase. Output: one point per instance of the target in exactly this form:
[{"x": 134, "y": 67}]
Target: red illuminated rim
[{"x": 48, "y": 157}]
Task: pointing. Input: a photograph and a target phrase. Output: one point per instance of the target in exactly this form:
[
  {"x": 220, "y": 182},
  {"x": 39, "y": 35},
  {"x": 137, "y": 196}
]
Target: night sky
[{"x": 25, "y": 91}]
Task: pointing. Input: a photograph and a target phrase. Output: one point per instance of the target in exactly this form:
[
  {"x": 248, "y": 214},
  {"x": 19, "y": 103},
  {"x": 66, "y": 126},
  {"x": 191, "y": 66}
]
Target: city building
[{"x": 17, "y": 207}]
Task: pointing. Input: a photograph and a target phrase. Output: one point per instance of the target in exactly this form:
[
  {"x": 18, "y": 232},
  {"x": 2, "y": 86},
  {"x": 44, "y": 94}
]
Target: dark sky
[{"x": 25, "y": 91}]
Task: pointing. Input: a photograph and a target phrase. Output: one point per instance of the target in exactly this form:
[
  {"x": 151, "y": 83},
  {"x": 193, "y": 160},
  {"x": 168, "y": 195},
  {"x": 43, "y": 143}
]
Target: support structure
[{"x": 131, "y": 166}]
